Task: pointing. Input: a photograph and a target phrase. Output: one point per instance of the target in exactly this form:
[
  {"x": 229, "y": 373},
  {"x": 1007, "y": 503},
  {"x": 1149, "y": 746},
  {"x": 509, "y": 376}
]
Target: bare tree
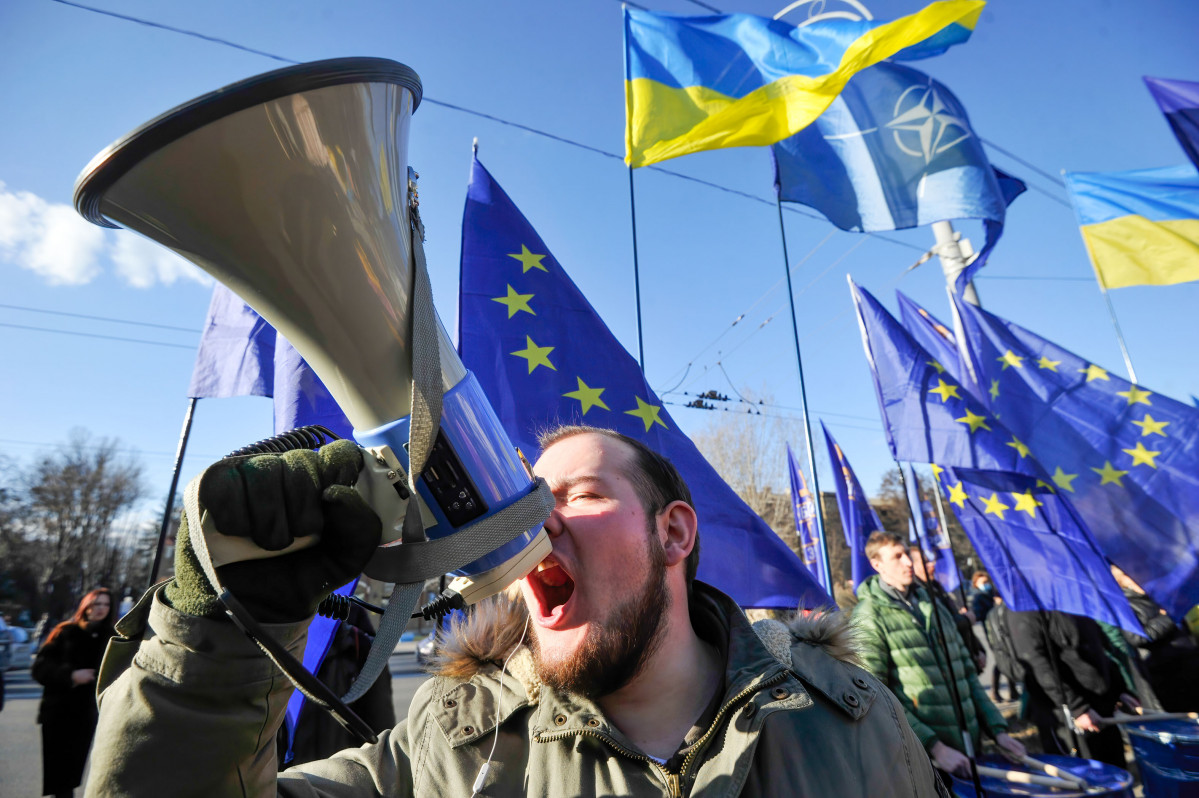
[{"x": 75, "y": 496}]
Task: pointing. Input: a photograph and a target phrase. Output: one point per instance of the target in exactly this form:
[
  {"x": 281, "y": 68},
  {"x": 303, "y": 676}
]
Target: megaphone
[{"x": 293, "y": 188}]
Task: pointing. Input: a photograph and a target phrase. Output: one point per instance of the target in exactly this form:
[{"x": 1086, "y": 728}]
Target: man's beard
[{"x": 617, "y": 648}]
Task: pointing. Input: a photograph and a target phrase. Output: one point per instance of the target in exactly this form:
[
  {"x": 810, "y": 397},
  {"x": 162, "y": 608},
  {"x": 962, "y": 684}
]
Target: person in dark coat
[
  {"x": 925, "y": 572},
  {"x": 1053, "y": 646},
  {"x": 1169, "y": 654},
  {"x": 66, "y": 666},
  {"x": 1006, "y": 661}
]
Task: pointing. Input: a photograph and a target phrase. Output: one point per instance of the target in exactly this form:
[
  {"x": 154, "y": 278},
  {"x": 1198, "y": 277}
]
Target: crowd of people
[{"x": 612, "y": 670}]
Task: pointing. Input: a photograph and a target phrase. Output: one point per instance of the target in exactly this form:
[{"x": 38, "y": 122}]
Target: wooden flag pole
[{"x": 803, "y": 403}]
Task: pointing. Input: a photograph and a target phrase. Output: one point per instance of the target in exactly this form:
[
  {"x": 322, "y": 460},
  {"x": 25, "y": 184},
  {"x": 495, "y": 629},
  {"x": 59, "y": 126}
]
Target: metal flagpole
[
  {"x": 1132, "y": 375},
  {"x": 803, "y": 401},
  {"x": 166, "y": 513},
  {"x": 636, "y": 272},
  {"x": 967, "y": 741}
]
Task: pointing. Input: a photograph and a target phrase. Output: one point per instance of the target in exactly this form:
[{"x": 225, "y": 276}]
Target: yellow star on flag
[
  {"x": 1063, "y": 480},
  {"x": 1027, "y": 502},
  {"x": 937, "y": 471},
  {"x": 957, "y": 495},
  {"x": 515, "y": 302},
  {"x": 1010, "y": 358},
  {"x": 528, "y": 260},
  {"x": 1135, "y": 394},
  {"x": 1149, "y": 426},
  {"x": 975, "y": 421},
  {"x": 588, "y": 397},
  {"x": 1019, "y": 446},
  {"x": 1142, "y": 456},
  {"x": 1108, "y": 474},
  {"x": 1046, "y": 363},
  {"x": 994, "y": 391},
  {"x": 945, "y": 390},
  {"x": 994, "y": 506},
  {"x": 536, "y": 355},
  {"x": 940, "y": 369},
  {"x": 647, "y": 413},
  {"x": 1094, "y": 372},
  {"x": 1045, "y": 485}
]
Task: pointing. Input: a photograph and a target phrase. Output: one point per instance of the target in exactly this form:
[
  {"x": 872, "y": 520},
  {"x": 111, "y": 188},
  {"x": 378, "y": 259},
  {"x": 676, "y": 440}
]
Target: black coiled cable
[
  {"x": 312, "y": 436},
  {"x": 337, "y": 606}
]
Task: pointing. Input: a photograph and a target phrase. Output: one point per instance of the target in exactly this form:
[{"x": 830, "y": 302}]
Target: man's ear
[{"x": 678, "y": 528}]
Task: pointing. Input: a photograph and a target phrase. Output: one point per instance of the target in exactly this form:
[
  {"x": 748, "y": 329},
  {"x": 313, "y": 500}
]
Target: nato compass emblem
[{"x": 925, "y": 125}]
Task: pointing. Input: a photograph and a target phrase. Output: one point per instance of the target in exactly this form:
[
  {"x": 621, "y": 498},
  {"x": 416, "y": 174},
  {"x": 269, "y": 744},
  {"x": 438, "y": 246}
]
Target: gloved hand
[{"x": 273, "y": 499}]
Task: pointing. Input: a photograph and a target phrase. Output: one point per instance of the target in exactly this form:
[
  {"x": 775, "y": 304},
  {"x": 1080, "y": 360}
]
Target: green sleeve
[{"x": 876, "y": 658}]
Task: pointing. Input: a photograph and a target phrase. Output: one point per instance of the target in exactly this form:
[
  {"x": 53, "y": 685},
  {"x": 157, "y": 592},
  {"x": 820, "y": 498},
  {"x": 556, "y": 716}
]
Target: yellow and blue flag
[
  {"x": 1179, "y": 101},
  {"x": 1127, "y": 457},
  {"x": 1140, "y": 227},
  {"x": 811, "y": 541},
  {"x": 737, "y": 80},
  {"x": 928, "y": 416},
  {"x": 544, "y": 357},
  {"x": 858, "y": 518}
]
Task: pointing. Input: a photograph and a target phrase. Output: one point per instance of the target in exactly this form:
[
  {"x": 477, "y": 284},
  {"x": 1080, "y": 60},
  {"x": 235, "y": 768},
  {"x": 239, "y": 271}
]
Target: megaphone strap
[{"x": 416, "y": 562}]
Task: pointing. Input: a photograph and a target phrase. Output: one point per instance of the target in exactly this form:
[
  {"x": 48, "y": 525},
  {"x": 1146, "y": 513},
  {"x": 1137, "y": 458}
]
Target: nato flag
[{"x": 544, "y": 357}]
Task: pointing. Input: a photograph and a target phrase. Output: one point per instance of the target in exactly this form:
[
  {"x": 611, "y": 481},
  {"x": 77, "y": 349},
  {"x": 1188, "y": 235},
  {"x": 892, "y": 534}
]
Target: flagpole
[
  {"x": 803, "y": 398},
  {"x": 636, "y": 272},
  {"x": 1111, "y": 310},
  {"x": 953, "y": 682},
  {"x": 166, "y": 513},
  {"x": 953, "y": 259}
]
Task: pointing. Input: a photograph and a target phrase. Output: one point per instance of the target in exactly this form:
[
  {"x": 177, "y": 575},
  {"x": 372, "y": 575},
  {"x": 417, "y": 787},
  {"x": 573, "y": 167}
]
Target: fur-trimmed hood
[{"x": 496, "y": 626}]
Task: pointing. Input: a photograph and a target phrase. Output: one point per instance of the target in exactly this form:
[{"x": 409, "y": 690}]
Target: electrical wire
[
  {"x": 101, "y": 318},
  {"x": 98, "y": 336}
]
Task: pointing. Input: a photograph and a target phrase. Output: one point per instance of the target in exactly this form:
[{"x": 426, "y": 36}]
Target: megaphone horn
[{"x": 293, "y": 189}]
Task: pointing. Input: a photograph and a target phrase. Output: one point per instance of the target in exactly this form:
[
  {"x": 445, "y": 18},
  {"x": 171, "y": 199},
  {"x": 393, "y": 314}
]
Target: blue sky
[{"x": 1056, "y": 84}]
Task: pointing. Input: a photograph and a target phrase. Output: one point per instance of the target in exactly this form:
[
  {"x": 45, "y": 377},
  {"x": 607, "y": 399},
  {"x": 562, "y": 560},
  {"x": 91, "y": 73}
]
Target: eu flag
[
  {"x": 929, "y": 417},
  {"x": 1036, "y": 549},
  {"x": 858, "y": 518},
  {"x": 811, "y": 544},
  {"x": 1179, "y": 101},
  {"x": 924, "y": 529},
  {"x": 1127, "y": 457},
  {"x": 544, "y": 357},
  {"x": 930, "y": 333},
  {"x": 237, "y": 351}
]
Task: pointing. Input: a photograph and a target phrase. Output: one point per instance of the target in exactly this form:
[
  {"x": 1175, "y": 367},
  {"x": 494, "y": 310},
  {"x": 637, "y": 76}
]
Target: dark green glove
[{"x": 272, "y": 499}]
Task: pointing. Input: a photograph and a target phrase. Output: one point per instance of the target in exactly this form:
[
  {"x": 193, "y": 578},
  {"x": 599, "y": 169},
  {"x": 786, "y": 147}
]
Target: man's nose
[{"x": 554, "y": 524}]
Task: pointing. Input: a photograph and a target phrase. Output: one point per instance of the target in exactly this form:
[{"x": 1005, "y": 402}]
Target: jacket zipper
[{"x": 674, "y": 781}]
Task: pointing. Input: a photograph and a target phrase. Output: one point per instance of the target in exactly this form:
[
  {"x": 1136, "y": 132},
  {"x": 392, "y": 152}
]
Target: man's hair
[
  {"x": 974, "y": 577},
  {"x": 880, "y": 539},
  {"x": 655, "y": 480}
]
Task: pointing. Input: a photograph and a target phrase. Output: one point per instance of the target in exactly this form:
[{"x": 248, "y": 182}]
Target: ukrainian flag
[
  {"x": 736, "y": 80},
  {"x": 1141, "y": 227}
]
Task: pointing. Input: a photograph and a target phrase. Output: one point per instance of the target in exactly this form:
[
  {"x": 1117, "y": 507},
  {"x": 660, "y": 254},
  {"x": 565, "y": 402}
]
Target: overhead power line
[
  {"x": 101, "y": 318},
  {"x": 97, "y": 335}
]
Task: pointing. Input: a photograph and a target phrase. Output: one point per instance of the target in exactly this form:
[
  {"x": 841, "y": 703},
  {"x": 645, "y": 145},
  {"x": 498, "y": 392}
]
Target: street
[{"x": 20, "y": 736}]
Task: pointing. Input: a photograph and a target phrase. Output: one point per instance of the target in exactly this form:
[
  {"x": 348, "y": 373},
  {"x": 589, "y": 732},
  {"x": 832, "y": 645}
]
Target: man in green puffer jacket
[{"x": 902, "y": 647}]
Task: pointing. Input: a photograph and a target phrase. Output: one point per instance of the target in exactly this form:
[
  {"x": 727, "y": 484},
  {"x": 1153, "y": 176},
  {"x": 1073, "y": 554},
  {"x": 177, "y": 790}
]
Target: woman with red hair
[{"x": 66, "y": 665}]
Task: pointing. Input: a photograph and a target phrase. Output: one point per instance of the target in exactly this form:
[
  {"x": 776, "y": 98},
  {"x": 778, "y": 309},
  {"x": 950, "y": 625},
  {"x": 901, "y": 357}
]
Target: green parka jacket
[
  {"x": 907, "y": 656},
  {"x": 195, "y": 710}
]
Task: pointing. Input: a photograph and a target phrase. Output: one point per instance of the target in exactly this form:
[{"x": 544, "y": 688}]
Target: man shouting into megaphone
[{"x": 616, "y": 673}]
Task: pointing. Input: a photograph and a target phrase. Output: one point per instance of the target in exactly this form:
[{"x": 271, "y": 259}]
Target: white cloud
[
  {"x": 50, "y": 240},
  {"x": 142, "y": 263},
  {"x": 54, "y": 242}
]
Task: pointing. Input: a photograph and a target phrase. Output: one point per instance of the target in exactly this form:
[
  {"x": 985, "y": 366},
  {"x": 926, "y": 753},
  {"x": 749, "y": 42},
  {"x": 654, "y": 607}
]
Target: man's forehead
[{"x": 587, "y": 453}]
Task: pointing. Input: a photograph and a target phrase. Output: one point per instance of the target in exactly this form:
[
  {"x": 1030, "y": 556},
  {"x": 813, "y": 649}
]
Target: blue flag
[
  {"x": 927, "y": 414},
  {"x": 1179, "y": 101},
  {"x": 894, "y": 150},
  {"x": 924, "y": 529},
  {"x": 237, "y": 351},
  {"x": 1035, "y": 547},
  {"x": 858, "y": 518},
  {"x": 811, "y": 542},
  {"x": 1128, "y": 458},
  {"x": 543, "y": 357},
  {"x": 931, "y": 334},
  {"x": 300, "y": 396}
]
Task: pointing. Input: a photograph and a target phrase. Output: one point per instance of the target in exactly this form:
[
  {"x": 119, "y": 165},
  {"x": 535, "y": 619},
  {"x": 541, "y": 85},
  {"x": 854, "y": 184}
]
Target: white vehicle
[{"x": 21, "y": 648}]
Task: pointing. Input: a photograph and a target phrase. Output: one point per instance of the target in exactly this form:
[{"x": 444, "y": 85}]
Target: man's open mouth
[{"x": 552, "y": 586}]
